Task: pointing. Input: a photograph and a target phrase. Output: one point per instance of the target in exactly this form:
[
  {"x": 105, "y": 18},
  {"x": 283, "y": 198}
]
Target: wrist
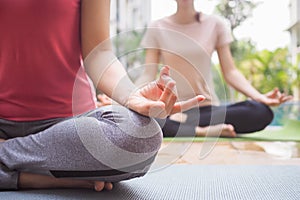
[{"x": 258, "y": 97}]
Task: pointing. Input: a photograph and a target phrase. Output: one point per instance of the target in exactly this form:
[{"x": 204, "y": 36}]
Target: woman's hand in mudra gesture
[{"x": 159, "y": 98}]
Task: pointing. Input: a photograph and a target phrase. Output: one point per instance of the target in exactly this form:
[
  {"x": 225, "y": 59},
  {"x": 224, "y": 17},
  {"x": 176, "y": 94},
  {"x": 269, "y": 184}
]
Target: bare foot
[
  {"x": 2, "y": 140},
  {"x": 36, "y": 181},
  {"x": 220, "y": 130}
]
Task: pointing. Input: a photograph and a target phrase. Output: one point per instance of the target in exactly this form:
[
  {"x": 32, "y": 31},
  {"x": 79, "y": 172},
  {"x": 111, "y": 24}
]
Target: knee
[
  {"x": 142, "y": 140},
  {"x": 264, "y": 115},
  {"x": 128, "y": 142},
  {"x": 136, "y": 132},
  {"x": 141, "y": 134}
]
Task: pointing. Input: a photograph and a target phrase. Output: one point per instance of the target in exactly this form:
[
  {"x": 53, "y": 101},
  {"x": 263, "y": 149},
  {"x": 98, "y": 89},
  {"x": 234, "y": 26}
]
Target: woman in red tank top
[{"x": 45, "y": 89}]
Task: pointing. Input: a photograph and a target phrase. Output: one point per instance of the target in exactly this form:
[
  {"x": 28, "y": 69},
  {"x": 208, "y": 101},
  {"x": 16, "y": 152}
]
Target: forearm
[
  {"x": 237, "y": 80},
  {"x": 150, "y": 70},
  {"x": 109, "y": 75},
  {"x": 148, "y": 75},
  {"x": 233, "y": 76},
  {"x": 116, "y": 84}
]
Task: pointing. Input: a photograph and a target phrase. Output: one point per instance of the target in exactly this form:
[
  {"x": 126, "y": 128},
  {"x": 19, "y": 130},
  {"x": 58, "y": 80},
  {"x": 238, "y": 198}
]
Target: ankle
[{"x": 200, "y": 131}]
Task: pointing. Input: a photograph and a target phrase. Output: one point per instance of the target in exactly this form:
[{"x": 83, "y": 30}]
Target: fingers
[
  {"x": 165, "y": 70},
  {"x": 99, "y": 186},
  {"x": 164, "y": 77},
  {"x": 188, "y": 104},
  {"x": 168, "y": 97},
  {"x": 159, "y": 98},
  {"x": 285, "y": 98},
  {"x": 103, "y": 100},
  {"x": 275, "y": 98},
  {"x": 156, "y": 109},
  {"x": 282, "y": 97},
  {"x": 275, "y": 93}
]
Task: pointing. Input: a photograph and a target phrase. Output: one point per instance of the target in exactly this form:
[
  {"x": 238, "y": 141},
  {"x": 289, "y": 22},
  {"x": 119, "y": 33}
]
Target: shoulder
[
  {"x": 157, "y": 23},
  {"x": 215, "y": 19}
]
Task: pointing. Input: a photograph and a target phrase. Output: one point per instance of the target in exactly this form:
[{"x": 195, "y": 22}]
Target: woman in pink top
[
  {"x": 185, "y": 41},
  {"x": 50, "y": 129}
]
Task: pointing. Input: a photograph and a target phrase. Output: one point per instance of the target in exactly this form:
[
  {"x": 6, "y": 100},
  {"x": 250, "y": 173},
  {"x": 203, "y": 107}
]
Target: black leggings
[{"x": 246, "y": 117}]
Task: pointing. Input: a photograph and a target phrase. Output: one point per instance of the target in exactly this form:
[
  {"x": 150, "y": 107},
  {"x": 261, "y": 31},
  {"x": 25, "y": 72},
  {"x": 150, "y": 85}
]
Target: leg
[
  {"x": 110, "y": 144},
  {"x": 173, "y": 128},
  {"x": 224, "y": 121},
  {"x": 245, "y": 117},
  {"x": 36, "y": 181},
  {"x": 249, "y": 116}
]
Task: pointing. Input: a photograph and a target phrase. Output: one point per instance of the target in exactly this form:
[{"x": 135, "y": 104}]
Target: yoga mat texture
[
  {"x": 180, "y": 182},
  {"x": 290, "y": 131}
]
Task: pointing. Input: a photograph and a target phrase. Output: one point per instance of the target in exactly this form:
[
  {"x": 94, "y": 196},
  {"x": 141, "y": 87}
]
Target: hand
[
  {"x": 274, "y": 98},
  {"x": 158, "y": 98},
  {"x": 103, "y": 100}
]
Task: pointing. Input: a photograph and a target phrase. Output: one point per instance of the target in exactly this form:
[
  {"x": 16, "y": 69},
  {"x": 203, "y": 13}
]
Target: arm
[
  {"x": 238, "y": 81},
  {"x": 148, "y": 75},
  {"x": 151, "y": 67},
  {"x": 156, "y": 99},
  {"x": 102, "y": 66},
  {"x": 233, "y": 76}
]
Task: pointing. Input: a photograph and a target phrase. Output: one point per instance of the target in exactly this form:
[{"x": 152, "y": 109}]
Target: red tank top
[{"x": 41, "y": 72}]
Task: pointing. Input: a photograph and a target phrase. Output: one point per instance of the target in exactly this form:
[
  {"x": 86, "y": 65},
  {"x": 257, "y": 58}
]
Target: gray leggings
[{"x": 110, "y": 144}]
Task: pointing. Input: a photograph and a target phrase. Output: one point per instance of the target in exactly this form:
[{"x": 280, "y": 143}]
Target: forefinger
[
  {"x": 285, "y": 98},
  {"x": 188, "y": 104}
]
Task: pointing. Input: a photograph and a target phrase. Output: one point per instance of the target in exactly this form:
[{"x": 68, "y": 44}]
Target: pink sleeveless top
[{"x": 41, "y": 72}]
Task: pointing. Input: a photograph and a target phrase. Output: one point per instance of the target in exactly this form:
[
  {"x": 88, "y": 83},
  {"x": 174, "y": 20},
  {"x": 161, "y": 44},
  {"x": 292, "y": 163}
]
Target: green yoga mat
[{"x": 290, "y": 131}]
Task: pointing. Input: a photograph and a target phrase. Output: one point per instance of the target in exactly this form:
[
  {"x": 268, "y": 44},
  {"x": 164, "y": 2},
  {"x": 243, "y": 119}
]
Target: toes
[
  {"x": 108, "y": 186},
  {"x": 99, "y": 186},
  {"x": 230, "y": 129}
]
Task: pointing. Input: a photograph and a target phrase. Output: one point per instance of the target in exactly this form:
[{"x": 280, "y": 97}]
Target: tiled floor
[{"x": 229, "y": 153}]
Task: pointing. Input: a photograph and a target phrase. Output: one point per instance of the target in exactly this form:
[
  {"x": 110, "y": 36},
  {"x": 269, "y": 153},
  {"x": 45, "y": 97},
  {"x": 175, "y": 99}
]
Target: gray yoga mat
[{"x": 189, "y": 182}]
